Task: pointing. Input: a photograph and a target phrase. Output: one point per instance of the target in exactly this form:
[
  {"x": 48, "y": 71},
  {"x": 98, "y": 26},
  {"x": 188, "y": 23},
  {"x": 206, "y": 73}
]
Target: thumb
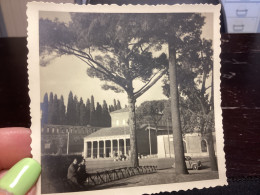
[
  {"x": 20, "y": 178},
  {"x": 14, "y": 145}
]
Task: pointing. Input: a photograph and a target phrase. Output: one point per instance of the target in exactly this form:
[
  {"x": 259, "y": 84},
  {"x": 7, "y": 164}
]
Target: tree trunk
[
  {"x": 132, "y": 126},
  {"x": 212, "y": 157},
  {"x": 180, "y": 165}
]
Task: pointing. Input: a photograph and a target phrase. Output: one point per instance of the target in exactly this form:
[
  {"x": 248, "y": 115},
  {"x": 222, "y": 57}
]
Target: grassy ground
[
  {"x": 56, "y": 182},
  {"x": 99, "y": 165},
  {"x": 165, "y": 176}
]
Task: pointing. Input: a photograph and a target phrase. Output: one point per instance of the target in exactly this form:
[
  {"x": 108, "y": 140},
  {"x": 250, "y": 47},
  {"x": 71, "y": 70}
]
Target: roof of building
[
  {"x": 120, "y": 111},
  {"x": 110, "y": 131}
]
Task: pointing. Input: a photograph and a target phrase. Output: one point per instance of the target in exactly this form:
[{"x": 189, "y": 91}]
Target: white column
[
  {"x": 118, "y": 147},
  {"x": 97, "y": 149},
  {"x": 85, "y": 150},
  {"x": 125, "y": 146},
  {"x": 150, "y": 144},
  {"x": 112, "y": 148},
  {"x": 104, "y": 148}
]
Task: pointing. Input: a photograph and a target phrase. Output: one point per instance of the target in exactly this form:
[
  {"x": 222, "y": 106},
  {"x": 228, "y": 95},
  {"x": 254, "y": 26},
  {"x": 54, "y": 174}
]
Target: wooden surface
[{"x": 240, "y": 89}]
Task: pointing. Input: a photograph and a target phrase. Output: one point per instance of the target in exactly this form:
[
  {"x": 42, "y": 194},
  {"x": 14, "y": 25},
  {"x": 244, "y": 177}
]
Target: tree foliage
[
  {"x": 195, "y": 69},
  {"x": 150, "y": 112},
  {"x": 77, "y": 113},
  {"x": 120, "y": 48},
  {"x": 195, "y": 82}
]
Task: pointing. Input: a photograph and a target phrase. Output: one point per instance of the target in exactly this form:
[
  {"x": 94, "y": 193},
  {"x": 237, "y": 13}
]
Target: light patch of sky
[{"x": 67, "y": 73}]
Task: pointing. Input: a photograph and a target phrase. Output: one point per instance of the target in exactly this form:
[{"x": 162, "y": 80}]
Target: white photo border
[{"x": 34, "y": 84}]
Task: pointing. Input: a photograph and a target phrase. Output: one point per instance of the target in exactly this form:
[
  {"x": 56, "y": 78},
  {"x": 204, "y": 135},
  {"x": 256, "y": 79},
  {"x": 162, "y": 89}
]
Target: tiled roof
[
  {"x": 111, "y": 131},
  {"x": 119, "y": 111}
]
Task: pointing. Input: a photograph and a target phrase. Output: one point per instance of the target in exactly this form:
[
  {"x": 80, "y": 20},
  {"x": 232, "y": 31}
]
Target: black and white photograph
[{"x": 125, "y": 99}]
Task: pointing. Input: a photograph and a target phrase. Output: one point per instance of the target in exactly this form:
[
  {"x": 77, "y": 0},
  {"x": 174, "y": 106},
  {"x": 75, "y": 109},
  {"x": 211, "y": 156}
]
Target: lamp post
[
  {"x": 68, "y": 141},
  {"x": 150, "y": 144}
]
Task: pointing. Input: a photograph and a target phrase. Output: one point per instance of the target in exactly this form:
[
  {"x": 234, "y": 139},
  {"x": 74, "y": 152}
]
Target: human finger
[
  {"x": 14, "y": 145},
  {"x": 21, "y": 178}
]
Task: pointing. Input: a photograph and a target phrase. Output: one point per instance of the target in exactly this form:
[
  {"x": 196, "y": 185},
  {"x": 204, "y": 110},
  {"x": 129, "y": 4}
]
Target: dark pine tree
[
  {"x": 45, "y": 109},
  {"x": 105, "y": 115},
  {"x": 88, "y": 112},
  {"x": 93, "y": 119},
  {"x": 70, "y": 110},
  {"x": 100, "y": 121},
  {"x": 50, "y": 109},
  {"x": 55, "y": 110},
  {"x": 115, "y": 105},
  {"x": 77, "y": 112},
  {"x": 111, "y": 108},
  {"x": 118, "y": 105},
  {"x": 82, "y": 113},
  {"x": 61, "y": 111}
]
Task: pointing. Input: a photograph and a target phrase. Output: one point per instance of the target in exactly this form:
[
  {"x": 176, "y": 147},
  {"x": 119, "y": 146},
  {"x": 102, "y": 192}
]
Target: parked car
[{"x": 192, "y": 164}]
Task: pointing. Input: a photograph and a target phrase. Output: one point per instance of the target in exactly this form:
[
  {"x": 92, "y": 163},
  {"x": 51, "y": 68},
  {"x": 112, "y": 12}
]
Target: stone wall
[{"x": 54, "y": 138}]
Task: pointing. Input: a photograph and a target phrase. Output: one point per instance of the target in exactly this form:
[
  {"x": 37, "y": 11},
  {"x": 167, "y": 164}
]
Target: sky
[{"x": 67, "y": 73}]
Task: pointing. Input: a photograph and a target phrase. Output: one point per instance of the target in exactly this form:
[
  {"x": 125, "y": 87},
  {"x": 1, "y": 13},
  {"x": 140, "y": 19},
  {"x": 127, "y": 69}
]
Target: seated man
[
  {"x": 82, "y": 174},
  {"x": 72, "y": 172}
]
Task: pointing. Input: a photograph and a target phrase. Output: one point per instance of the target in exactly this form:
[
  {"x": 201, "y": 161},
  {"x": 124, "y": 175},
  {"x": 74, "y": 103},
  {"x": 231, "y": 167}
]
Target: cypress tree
[
  {"x": 45, "y": 109},
  {"x": 50, "y": 109},
  {"x": 70, "y": 109},
  {"x": 55, "y": 111},
  {"x": 77, "y": 111},
  {"x": 92, "y": 112},
  {"x": 118, "y": 105},
  {"x": 82, "y": 113},
  {"x": 62, "y": 111},
  {"x": 111, "y": 108},
  {"x": 105, "y": 115},
  {"x": 99, "y": 117},
  {"x": 88, "y": 112},
  {"x": 115, "y": 106}
]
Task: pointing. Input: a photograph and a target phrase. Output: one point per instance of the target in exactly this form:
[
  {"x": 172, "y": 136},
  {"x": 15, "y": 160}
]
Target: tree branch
[
  {"x": 146, "y": 83},
  {"x": 148, "y": 86},
  {"x": 117, "y": 79}
]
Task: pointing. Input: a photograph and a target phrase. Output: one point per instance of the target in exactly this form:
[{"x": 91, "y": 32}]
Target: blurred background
[{"x": 239, "y": 16}]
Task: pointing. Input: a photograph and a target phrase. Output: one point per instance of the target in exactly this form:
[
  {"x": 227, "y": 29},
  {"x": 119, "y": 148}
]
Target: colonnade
[{"x": 106, "y": 148}]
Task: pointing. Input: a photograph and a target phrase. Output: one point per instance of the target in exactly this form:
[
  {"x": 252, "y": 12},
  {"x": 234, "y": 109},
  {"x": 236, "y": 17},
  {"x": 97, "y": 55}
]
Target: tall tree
[
  {"x": 130, "y": 49},
  {"x": 111, "y": 108},
  {"x": 50, "y": 109},
  {"x": 45, "y": 109},
  {"x": 55, "y": 110},
  {"x": 118, "y": 105},
  {"x": 82, "y": 113},
  {"x": 176, "y": 125},
  {"x": 106, "y": 115},
  {"x": 77, "y": 111},
  {"x": 71, "y": 110},
  {"x": 99, "y": 116},
  {"x": 93, "y": 119},
  {"x": 62, "y": 111},
  {"x": 195, "y": 81},
  {"x": 88, "y": 112},
  {"x": 115, "y": 105}
]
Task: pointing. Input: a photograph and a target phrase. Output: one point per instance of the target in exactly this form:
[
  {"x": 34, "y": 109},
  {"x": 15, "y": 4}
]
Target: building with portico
[{"x": 115, "y": 140}]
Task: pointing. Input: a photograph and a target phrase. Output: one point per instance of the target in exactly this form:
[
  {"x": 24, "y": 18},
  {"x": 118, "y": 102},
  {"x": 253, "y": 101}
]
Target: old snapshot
[{"x": 125, "y": 99}]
